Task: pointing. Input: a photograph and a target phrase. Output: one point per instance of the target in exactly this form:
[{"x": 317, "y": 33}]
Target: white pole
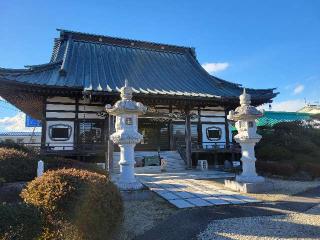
[{"x": 40, "y": 168}]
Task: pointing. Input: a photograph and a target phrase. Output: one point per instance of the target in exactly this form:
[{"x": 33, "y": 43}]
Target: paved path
[
  {"x": 188, "y": 223},
  {"x": 185, "y": 190}
]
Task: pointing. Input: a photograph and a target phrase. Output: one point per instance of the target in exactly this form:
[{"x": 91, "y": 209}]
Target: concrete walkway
[
  {"x": 188, "y": 223},
  {"x": 186, "y": 189}
]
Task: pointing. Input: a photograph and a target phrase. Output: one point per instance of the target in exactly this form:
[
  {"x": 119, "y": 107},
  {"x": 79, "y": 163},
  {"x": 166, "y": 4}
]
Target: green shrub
[
  {"x": 2, "y": 181},
  {"x": 276, "y": 168},
  {"x": 54, "y": 163},
  {"x": 288, "y": 143},
  {"x": 19, "y": 222},
  {"x": 312, "y": 168},
  {"x": 17, "y": 165},
  {"x": 89, "y": 201}
]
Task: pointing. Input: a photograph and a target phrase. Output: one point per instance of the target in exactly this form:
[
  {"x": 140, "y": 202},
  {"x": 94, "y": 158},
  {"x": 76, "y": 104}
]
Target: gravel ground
[
  {"x": 282, "y": 188},
  {"x": 141, "y": 216},
  {"x": 292, "y": 226}
]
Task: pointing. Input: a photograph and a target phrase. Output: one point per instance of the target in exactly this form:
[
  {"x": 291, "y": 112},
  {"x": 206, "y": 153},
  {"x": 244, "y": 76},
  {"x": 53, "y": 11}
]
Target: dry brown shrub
[
  {"x": 88, "y": 201},
  {"x": 17, "y": 165}
]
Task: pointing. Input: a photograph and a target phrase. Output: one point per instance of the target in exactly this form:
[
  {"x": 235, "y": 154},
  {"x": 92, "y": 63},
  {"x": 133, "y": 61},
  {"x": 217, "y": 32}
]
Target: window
[
  {"x": 91, "y": 131},
  {"x": 129, "y": 121},
  {"x": 214, "y": 133},
  {"x": 20, "y": 140},
  {"x": 60, "y": 132}
]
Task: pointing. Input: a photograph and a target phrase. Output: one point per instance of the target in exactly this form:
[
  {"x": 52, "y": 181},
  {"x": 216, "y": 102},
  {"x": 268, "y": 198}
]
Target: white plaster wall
[
  {"x": 51, "y": 106},
  {"x": 91, "y": 108},
  {"x": 89, "y": 116},
  {"x": 61, "y": 99},
  {"x": 60, "y": 115}
]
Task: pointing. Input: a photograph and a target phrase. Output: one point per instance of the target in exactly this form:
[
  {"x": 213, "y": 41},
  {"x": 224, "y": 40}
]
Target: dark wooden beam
[
  {"x": 227, "y": 128},
  {"x": 76, "y": 123},
  {"x": 188, "y": 138},
  {"x": 110, "y": 143},
  {"x": 171, "y": 136},
  {"x": 43, "y": 124},
  {"x": 199, "y": 127}
]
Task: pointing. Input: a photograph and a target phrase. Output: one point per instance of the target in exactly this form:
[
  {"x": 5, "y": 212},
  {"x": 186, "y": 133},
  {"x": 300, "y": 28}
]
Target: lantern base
[
  {"x": 136, "y": 185},
  {"x": 250, "y": 179},
  {"x": 246, "y": 187}
]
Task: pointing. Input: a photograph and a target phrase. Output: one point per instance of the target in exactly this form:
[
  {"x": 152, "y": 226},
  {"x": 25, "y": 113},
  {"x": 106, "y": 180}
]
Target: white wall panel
[
  {"x": 61, "y": 107},
  {"x": 60, "y": 115},
  {"x": 89, "y": 116},
  {"x": 61, "y": 99},
  {"x": 91, "y": 108}
]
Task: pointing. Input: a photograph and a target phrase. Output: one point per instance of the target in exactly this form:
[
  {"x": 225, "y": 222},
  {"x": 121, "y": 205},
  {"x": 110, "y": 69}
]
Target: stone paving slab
[
  {"x": 179, "y": 203},
  {"x": 185, "y": 190}
]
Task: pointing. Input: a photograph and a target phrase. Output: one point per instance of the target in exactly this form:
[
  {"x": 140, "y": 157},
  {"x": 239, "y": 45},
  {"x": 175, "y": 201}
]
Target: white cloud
[
  {"x": 215, "y": 67},
  {"x": 15, "y": 124},
  {"x": 298, "y": 89},
  {"x": 287, "y": 106}
]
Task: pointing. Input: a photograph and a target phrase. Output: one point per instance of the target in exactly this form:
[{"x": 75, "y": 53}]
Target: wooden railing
[{"x": 214, "y": 148}]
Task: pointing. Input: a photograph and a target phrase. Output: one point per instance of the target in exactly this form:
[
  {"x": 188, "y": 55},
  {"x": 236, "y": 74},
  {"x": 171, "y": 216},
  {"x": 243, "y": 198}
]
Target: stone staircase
[{"x": 174, "y": 162}]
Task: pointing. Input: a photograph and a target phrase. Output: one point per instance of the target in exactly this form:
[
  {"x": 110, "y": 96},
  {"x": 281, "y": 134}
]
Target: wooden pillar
[
  {"x": 106, "y": 141},
  {"x": 226, "y": 123},
  {"x": 43, "y": 124},
  {"x": 188, "y": 138},
  {"x": 110, "y": 143},
  {"x": 199, "y": 128},
  {"x": 76, "y": 140},
  {"x": 171, "y": 136}
]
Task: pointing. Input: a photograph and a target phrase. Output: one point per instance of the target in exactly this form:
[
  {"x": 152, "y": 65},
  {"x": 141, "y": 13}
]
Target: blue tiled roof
[
  {"x": 100, "y": 63},
  {"x": 271, "y": 117}
]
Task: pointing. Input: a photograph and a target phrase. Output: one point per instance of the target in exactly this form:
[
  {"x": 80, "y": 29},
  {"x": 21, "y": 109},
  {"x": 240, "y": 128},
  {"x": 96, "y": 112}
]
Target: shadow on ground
[{"x": 188, "y": 223}]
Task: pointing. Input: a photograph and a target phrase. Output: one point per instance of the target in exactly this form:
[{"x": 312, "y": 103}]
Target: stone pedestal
[
  {"x": 247, "y": 187},
  {"x": 126, "y": 136},
  {"x": 127, "y": 179},
  {"x": 248, "y": 160}
]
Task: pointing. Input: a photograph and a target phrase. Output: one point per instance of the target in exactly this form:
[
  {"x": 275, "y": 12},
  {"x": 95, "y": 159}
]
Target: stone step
[{"x": 173, "y": 158}]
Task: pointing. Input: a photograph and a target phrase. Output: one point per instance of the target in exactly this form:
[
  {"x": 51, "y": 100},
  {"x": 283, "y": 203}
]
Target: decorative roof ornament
[
  {"x": 126, "y": 91},
  {"x": 245, "y": 110},
  {"x": 126, "y": 105},
  {"x": 245, "y": 99}
]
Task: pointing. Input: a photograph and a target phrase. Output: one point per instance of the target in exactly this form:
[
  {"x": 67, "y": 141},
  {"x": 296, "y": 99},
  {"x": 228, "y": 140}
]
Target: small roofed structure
[
  {"x": 25, "y": 138},
  {"x": 311, "y": 109},
  {"x": 86, "y": 72}
]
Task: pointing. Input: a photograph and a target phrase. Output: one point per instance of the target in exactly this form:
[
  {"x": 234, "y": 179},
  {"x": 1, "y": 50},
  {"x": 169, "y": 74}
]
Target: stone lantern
[
  {"x": 126, "y": 136},
  {"x": 245, "y": 117}
]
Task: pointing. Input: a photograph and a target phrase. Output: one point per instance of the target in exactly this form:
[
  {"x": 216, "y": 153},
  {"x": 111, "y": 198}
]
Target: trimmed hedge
[
  {"x": 8, "y": 143},
  {"x": 16, "y": 165},
  {"x": 286, "y": 169},
  {"x": 290, "y": 149},
  {"x": 312, "y": 168},
  {"x": 56, "y": 163},
  {"x": 19, "y": 222},
  {"x": 89, "y": 201}
]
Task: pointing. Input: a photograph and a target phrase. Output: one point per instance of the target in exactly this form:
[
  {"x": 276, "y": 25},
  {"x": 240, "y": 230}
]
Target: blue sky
[{"x": 259, "y": 44}]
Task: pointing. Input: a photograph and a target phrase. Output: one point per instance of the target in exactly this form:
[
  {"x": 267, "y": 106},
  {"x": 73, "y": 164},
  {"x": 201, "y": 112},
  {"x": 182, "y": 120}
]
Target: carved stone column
[
  {"x": 126, "y": 136},
  {"x": 245, "y": 117}
]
